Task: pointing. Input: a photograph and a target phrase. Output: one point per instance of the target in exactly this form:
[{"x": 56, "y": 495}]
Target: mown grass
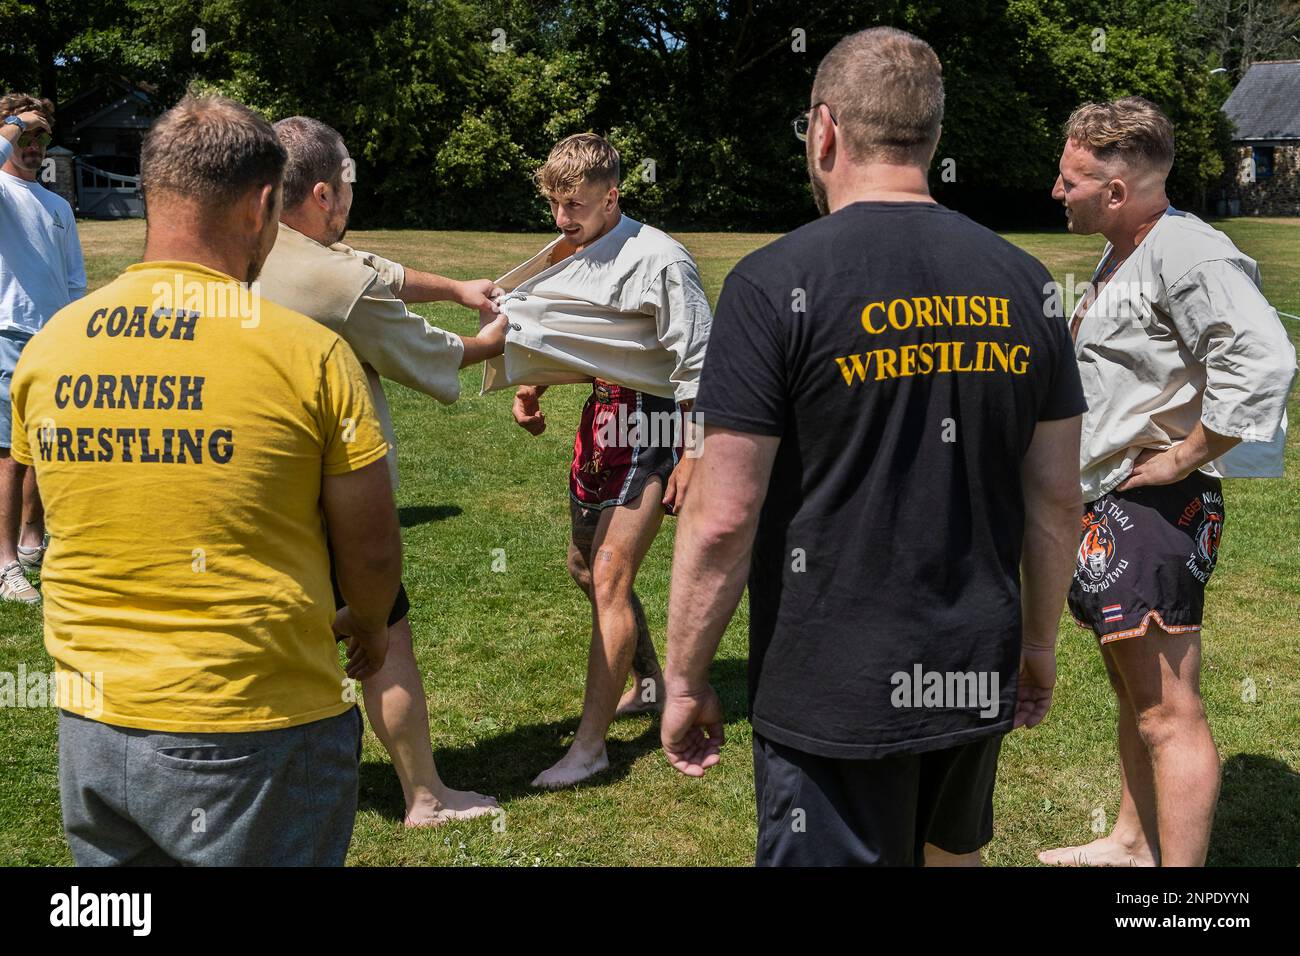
[{"x": 503, "y": 654}]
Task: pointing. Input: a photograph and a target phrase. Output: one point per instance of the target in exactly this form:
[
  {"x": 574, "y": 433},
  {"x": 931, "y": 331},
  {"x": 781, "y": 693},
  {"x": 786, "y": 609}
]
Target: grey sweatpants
[{"x": 271, "y": 797}]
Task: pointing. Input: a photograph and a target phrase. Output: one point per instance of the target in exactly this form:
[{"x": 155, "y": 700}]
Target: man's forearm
[
  {"x": 369, "y": 582},
  {"x": 1046, "y": 567},
  {"x": 1201, "y": 447},
  {"x": 427, "y": 287},
  {"x": 477, "y": 350},
  {"x": 710, "y": 564}
]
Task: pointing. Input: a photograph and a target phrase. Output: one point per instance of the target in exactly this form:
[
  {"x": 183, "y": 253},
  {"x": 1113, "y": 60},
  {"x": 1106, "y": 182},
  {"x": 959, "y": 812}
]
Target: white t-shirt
[{"x": 41, "y": 269}]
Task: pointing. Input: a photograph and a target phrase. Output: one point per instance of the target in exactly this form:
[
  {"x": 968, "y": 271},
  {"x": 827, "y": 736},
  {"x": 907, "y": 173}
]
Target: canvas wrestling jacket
[
  {"x": 354, "y": 293},
  {"x": 1182, "y": 333},
  {"x": 629, "y": 309}
]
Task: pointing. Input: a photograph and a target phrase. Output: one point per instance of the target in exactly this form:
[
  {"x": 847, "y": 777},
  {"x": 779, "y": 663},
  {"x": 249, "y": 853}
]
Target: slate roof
[{"x": 1266, "y": 103}]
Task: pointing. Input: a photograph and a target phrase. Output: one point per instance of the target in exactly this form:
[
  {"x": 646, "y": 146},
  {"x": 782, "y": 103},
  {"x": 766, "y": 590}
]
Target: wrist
[
  {"x": 371, "y": 625},
  {"x": 684, "y": 683},
  {"x": 1186, "y": 459}
]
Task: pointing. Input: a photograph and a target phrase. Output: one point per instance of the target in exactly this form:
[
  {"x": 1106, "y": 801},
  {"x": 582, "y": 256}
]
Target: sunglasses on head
[{"x": 34, "y": 138}]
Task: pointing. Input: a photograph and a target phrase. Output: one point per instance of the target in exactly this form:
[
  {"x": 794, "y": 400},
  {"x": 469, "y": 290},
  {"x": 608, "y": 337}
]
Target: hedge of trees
[{"x": 447, "y": 105}]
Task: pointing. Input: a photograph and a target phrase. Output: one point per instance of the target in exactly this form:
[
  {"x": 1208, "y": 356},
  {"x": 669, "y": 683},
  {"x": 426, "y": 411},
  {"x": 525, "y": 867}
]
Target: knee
[
  {"x": 1160, "y": 724},
  {"x": 611, "y": 581},
  {"x": 579, "y": 571}
]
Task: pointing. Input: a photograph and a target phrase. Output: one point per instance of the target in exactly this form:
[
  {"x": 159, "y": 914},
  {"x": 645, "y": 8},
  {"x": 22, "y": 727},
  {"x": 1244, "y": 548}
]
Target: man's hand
[
  {"x": 490, "y": 341},
  {"x": 691, "y": 729},
  {"x": 479, "y": 294},
  {"x": 675, "y": 490},
  {"x": 1153, "y": 467},
  {"x": 1202, "y": 445},
  {"x": 492, "y": 329},
  {"x": 527, "y": 411},
  {"x": 35, "y": 123},
  {"x": 1037, "y": 678},
  {"x": 366, "y": 648}
]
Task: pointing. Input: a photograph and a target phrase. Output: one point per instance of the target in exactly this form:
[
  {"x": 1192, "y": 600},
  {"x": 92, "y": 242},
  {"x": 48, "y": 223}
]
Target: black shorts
[
  {"x": 1147, "y": 554},
  {"x": 401, "y": 604},
  {"x": 822, "y": 811}
]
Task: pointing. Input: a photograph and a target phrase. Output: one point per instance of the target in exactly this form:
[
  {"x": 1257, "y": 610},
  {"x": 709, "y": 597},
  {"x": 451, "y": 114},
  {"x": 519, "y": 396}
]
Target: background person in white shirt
[
  {"x": 639, "y": 282},
  {"x": 1182, "y": 358},
  {"x": 41, "y": 271}
]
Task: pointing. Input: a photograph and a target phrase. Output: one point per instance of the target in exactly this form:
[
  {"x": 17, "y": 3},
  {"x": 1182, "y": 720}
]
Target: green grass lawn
[{"x": 504, "y": 654}]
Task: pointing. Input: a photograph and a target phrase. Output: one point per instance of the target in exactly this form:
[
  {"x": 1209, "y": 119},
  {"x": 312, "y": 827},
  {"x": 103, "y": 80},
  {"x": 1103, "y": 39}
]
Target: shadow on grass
[
  {"x": 1258, "y": 819},
  {"x": 412, "y": 515},
  {"x": 504, "y": 765}
]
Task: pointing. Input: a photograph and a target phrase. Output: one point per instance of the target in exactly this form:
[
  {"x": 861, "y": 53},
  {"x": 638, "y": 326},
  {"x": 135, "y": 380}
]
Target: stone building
[{"x": 1265, "y": 108}]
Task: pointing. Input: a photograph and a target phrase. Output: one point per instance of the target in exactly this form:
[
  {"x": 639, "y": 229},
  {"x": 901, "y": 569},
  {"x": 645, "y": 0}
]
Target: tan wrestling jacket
[
  {"x": 1182, "y": 333},
  {"x": 355, "y": 294}
]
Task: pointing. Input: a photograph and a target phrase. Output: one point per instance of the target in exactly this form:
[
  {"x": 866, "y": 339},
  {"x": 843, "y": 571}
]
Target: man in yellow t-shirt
[{"x": 189, "y": 440}]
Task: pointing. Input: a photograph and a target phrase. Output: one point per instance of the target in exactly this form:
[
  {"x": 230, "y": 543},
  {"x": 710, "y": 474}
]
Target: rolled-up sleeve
[
  {"x": 1249, "y": 361},
  {"x": 402, "y": 346},
  {"x": 683, "y": 320}
]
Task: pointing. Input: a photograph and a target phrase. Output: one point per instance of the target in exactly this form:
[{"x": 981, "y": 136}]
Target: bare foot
[
  {"x": 1108, "y": 851},
  {"x": 641, "y": 698},
  {"x": 450, "y": 805},
  {"x": 573, "y": 767}
]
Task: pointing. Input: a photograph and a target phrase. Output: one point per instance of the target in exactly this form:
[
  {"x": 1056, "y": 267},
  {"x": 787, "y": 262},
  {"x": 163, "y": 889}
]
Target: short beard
[
  {"x": 818, "y": 191},
  {"x": 342, "y": 230},
  {"x": 23, "y": 167}
]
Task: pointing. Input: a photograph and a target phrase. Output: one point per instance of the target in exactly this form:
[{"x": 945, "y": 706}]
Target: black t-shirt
[{"x": 904, "y": 355}]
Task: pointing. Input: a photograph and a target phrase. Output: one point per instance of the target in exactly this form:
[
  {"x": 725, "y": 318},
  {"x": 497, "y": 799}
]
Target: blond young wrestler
[
  {"x": 644, "y": 288},
  {"x": 363, "y": 297}
]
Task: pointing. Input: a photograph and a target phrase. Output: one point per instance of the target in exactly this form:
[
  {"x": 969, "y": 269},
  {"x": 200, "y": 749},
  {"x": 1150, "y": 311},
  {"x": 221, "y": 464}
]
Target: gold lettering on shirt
[{"x": 934, "y": 358}]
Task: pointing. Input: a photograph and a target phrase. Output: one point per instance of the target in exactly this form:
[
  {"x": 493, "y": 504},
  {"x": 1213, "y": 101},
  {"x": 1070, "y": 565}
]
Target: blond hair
[
  {"x": 885, "y": 89},
  {"x": 577, "y": 159},
  {"x": 1131, "y": 129}
]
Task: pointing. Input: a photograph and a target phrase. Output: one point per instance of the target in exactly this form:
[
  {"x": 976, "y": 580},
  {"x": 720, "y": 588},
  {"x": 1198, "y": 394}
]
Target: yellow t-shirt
[{"x": 180, "y": 428}]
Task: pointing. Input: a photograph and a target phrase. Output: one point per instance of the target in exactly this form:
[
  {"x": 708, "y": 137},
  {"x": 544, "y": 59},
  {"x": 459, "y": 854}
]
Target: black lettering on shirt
[
  {"x": 221, "y": 453},
  {"x": 92, "y": 329},
  {"x": 116, "y": 321},
  {"x": 166, "y": 397},
  {"x": 136, "y": 327},
  {"x": 191, "y": 397}
]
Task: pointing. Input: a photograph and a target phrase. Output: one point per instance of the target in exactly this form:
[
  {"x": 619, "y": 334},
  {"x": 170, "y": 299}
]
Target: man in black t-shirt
[{"x": 891, "y": 414}]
